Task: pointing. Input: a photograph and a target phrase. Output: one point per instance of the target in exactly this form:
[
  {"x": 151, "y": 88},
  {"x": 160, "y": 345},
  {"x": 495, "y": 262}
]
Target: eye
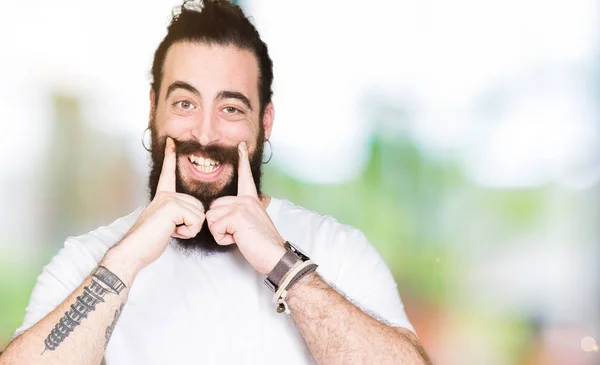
[
  {"x": 185, "y": 105},
  {"x": 231, "y": 110}
]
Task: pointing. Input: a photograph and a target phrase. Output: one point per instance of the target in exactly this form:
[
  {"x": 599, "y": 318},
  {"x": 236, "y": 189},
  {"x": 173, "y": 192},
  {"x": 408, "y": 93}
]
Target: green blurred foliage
[{"x": 16, "y": 283}]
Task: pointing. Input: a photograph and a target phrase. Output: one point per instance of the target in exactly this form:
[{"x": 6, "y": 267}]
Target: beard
[{"x": 206, "y": 192}]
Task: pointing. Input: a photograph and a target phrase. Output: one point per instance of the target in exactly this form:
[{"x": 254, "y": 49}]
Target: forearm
[
  {"x": 78, "y": 330},
  {"x": 338, "y": 332}
]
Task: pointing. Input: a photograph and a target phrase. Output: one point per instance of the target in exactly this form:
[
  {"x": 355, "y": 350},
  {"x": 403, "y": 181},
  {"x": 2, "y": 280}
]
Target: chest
[{"x": 216, "y": 312}]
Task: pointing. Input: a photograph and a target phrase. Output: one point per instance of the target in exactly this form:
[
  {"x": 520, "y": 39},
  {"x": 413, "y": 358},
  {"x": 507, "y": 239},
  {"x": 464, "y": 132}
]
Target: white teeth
[
  {"x": 202, "y": 161},
  {"x": 202, "y": 164}
]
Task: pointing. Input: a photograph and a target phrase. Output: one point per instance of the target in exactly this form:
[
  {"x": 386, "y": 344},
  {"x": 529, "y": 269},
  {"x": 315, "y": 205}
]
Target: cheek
[
  {"x": 238, "y": 132},
  {"x": 175, "y": 126}
]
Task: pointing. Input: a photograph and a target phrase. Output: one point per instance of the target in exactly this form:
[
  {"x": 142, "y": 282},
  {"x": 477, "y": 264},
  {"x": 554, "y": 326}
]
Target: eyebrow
[
  {"x": 234, "y": 95},
  {"x": 181, "y": 85}
]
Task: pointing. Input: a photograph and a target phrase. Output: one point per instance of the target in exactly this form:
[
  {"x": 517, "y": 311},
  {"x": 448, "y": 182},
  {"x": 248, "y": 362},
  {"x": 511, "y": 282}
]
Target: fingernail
[{"x": 243, "y": 146}]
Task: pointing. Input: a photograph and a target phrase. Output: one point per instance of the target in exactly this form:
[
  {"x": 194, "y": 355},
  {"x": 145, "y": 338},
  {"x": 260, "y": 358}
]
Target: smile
[
  {"x": 203, "y": 168},
  {"x": 202, "y": 164}
]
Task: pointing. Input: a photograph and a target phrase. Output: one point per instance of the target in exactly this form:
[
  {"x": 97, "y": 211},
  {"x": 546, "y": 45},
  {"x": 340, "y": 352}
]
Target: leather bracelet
[
  {"x": 289, "y": 277},
  {"x": 296, "y": 273},
  {"x": 310, "y": 268},
  {"x": 285, "y": 264},
  {"x": 292, "y": 256}
]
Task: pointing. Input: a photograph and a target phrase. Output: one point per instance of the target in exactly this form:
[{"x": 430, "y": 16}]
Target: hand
[
  {"x": 242, "y": 220},
  {"x": 170, "y": 214}
]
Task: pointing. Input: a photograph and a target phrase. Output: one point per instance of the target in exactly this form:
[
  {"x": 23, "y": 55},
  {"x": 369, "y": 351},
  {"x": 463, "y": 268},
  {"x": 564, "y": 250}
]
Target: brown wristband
[{"x": 285, "y": 264}]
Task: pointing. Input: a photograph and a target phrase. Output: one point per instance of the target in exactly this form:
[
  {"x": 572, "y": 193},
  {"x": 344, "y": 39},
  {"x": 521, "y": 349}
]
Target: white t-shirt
[{"x": 216, "y": 310}]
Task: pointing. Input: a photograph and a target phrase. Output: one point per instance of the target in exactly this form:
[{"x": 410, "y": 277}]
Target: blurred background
[{"x": 463, "y": 138}]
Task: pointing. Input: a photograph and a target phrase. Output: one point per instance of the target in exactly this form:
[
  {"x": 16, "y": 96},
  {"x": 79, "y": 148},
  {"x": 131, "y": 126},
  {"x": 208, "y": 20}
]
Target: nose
[{"x": 205, "y": 129}]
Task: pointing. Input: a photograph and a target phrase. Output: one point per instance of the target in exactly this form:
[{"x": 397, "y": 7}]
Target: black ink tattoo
[
  {"x": 103, "y": 281},
  {"x": 109, "y": 329}
]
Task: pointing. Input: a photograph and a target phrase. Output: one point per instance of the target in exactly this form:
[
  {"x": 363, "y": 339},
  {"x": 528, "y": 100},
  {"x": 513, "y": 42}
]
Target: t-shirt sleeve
[
  {"x": 362, "y": 275},
  {"x": 65, "y": 272}
]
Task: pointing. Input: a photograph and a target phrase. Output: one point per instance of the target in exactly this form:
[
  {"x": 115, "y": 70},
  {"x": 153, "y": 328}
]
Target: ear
[
  {"x": 152, "y": 107},
  {"x": 268, "y": 118}
]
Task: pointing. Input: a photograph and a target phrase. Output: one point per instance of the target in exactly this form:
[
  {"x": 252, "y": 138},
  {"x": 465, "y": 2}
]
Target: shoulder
[
  {"x": 81, "y": 254},
  {"x": 98, "y": 241},
  {"x": 335, "y": 246},
  {"x": 300, "y": 221}
]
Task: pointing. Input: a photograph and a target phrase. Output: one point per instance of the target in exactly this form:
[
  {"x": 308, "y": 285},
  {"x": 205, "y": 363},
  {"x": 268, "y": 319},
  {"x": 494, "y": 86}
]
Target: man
[{"x": 181, "y": 280}]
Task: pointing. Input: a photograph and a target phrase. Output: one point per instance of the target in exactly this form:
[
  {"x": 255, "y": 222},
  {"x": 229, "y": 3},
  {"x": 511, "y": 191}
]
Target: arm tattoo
[
  {"x": 109, "y": 329},
  {"x": 103, "y": 281}
]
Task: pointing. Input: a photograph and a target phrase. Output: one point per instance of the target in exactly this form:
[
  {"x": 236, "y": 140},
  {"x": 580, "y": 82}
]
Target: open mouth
[{"x": 204, "y": 164}]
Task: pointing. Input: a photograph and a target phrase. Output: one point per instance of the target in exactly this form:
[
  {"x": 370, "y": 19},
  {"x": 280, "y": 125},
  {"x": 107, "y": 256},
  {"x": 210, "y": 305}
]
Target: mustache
[{"x": 217, "y": 152}]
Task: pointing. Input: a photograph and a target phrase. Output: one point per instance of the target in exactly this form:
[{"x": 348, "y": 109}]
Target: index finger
[
  {"x": 166, "y": 182},
  {"x": 246, "y": 185}
]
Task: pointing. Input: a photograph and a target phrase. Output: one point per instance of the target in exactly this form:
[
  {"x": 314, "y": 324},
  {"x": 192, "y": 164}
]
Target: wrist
[
  {"x": 121, "y": 263},
  {"x": 288, "y": 259},
  {"x": 273, "y": 258}
]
